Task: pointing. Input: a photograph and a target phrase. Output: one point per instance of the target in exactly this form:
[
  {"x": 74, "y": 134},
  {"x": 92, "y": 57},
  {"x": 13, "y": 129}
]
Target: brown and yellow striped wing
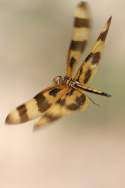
[
  {"x": 72, "y": 100},
  {"x": 89, "y": 67},
  {"x": 36, "y": 106},
  {"x": 80, "y": 36}
]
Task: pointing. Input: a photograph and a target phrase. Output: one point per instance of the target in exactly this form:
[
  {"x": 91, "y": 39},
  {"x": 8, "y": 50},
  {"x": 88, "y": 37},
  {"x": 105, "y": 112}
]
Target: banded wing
[
  {"x": 80, "y": 36},
  {"x": 36, "y": 106},
  {"x": 89, "y": 67},
  {"x": 72, "y": 100}
]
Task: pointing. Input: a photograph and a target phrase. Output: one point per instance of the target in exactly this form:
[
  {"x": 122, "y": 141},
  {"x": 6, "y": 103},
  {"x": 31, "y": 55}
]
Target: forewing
[
  {"x": 36, "y": 106},
  {"x": 73, "y": 100},
  {"x": 80, "y": 36},
  {"x": 89, "y": 67}
]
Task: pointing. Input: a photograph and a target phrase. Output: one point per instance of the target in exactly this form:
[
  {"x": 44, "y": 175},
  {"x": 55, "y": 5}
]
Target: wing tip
[
  {"x": 8, "y": 120},
  {"x": 109, "y": 20},
  {"x": 83, "y": 4},
  {"x": 12, "y": 118}
]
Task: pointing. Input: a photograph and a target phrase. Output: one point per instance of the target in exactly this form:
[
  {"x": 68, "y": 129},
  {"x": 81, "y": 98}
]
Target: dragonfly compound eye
[{"x": 58, "y": 80}]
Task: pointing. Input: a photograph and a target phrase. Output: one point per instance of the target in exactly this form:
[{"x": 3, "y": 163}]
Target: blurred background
[{"x": 85, "y": 149}]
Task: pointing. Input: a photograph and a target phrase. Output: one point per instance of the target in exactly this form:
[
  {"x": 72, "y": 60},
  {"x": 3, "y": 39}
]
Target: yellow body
[{"x": 59, "y": 100}]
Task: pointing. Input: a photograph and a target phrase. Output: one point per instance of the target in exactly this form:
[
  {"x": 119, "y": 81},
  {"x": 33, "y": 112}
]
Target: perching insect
[{"x": 67, "y": 94}]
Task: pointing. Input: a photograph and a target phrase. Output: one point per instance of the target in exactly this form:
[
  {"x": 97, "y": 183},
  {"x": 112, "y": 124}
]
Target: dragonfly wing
[
  {"x": 73, "y": 100},
  {"x": 89, "y": 67},
  {"x": 80, "y": 36},
  {"x": 34, "y": 107}
]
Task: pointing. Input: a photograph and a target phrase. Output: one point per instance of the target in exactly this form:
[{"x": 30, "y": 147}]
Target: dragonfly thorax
[
  {"x": 70, "y": 82},
  {"x": 59, "y": 80}
]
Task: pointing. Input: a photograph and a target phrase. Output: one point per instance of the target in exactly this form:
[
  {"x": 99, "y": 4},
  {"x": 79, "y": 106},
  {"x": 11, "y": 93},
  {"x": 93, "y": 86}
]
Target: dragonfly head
[{"x": 58, "y": 80}]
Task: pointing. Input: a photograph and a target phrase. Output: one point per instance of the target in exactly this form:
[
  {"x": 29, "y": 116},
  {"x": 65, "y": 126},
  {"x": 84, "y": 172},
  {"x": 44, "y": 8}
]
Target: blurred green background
[{"x": 82, "y": 150}]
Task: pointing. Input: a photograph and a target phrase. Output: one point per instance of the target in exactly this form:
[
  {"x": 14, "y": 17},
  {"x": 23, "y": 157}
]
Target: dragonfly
[{"x": 68, "y": 93}]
